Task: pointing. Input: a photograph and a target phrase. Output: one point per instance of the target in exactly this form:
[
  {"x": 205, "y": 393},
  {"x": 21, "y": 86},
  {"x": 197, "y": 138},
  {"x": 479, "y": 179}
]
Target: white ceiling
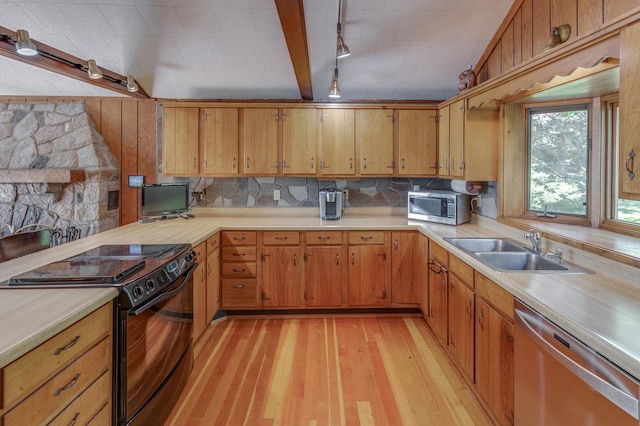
[{"x": 235, "y": 49}]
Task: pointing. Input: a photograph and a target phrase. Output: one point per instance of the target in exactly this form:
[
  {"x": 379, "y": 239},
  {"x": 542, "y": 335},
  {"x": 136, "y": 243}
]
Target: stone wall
[{"x": 56, "y": 136}]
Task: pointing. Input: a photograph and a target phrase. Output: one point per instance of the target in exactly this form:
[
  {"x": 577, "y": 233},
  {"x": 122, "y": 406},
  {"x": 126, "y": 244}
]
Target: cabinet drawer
[
  {"x": 366, "y": 237},
  {"x": 239, "y": 293},
  {"x": 201, "y": 251},
  {"x": 102, "y": 418},
  {"x": 238, "y": 238},
  {"x": 213, "y": 243},
  {"x": 324, "y": 237},
  {"x": 29, "y": 371},
  {"x": 270, "y": 238},
  {"x": 461, "y": 269},
  {"x": 238, "y": 253},
  {"x": 42, "y": 405},
  {"x": 88, "y": 404},
  {"x": 238, "y": 270},
  {"x": 498, "y": 297},
  {"x": 440, "y": 253}
]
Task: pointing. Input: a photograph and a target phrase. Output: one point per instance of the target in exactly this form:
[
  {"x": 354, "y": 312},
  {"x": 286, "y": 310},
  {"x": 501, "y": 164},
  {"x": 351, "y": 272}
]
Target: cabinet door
[
  {"x": 219, "y": 140},
  {"x": 456, "y": 139},
  {"x": 629, "y": 141},
  {"x": 280, "y": 276},
  {"x": 367, "y": 275},
  {"x": 405, "y": 268},
  {"x": 259, "y": 141},
  {"x": 438, "y": 290},
  {"x": 180, "y": 141},
  {"x": 299, "y": 141},
  {"x": 443, "y": 141},
  {"x": 337, "y": 142},
  {"x": 374, "y": 141},
  {"x": 213, "y": 283},
  {"x": 424, "y": 275},
  {"x": 200, "y": 293},
  {"x": 461, "y": 323},
  {"x": 417, "y": 142},
  {"x": 494, "y": 361},
  {"x": 323, "y": 268}
]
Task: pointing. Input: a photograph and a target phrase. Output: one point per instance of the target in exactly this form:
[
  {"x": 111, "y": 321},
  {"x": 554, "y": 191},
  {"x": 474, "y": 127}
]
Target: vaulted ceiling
[{"x": 237, "y": 49}]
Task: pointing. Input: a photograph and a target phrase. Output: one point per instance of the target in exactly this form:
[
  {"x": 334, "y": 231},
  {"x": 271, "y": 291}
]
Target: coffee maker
[{"x": 330, "y": 204}]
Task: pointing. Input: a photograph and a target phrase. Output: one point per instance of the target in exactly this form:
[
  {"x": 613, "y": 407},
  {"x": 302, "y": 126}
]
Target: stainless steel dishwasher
[{"x": 560, "y": 381}]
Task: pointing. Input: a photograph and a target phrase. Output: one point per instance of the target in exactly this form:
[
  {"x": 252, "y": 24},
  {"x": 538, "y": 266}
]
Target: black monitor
[{"x": 164, "y": 199}]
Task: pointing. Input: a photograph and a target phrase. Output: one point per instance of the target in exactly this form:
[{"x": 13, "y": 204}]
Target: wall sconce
[{"x": 24, "y": 45}]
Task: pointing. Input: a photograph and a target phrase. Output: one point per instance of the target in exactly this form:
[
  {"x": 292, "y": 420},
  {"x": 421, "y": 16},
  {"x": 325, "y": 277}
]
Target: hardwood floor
[{"x": 324, "y": 371}]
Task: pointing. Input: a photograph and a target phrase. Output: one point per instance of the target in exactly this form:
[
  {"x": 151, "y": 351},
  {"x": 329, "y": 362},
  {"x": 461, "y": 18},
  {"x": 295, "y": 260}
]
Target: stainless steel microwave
[{"x": 448, "y": 207}]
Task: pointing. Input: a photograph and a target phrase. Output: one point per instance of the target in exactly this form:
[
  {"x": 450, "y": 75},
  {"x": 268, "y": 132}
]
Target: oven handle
[{"x": 175, "y": 289}]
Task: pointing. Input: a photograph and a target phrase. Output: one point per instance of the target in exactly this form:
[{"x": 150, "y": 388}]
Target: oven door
[{"x": 156, "y": 345}]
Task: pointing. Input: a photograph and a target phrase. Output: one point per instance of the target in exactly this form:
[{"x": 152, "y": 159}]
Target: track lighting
[
  {"x": 24, "y": 45},
  {"x": 342, "y": 49},
  {"x": 132, "y": 86},
  {"x": 334, "y": 92},
  {"x": 92, "y": 69}
]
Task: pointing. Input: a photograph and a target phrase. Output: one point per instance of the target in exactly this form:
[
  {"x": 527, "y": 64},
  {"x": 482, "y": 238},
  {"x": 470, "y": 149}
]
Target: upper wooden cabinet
[
  {"x": 468, "y": 142},
  {"x": 629, "y": 165},
  {"x": 374, "y": 141},
  {"x": 259, "y": 141},
  {"x": 337, "y": 142},
  {"x": 219, "y": 141},
  {"x": 180, "y": 142},
  {"x": 417, "y": 142},
  {"x": 299, "y": 141}
]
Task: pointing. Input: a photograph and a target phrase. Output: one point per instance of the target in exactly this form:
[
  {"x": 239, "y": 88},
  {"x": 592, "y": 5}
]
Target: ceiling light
[
  {"x": 334, "y": 92},
  {"x": 24, "y": 45},
  {"x": 93, "y": 70},
  {"x": 343, "y": 51},
  {"x": 132, "y": 86}
]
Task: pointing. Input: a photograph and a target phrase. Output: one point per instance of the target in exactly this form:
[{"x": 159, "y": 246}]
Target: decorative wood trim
[{"x": 41, "y": 175}]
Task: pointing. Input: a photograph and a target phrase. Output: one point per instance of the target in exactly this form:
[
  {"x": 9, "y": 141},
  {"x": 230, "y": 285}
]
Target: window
[{"x": 558, "y": 160}]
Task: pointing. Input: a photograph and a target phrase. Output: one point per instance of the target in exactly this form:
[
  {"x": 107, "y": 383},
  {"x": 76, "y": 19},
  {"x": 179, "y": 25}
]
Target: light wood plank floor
[{"x": 324, "y": 371}]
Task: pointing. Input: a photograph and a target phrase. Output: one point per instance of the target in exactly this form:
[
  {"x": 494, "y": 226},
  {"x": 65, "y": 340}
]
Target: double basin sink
[{"x": 506, "y": 255}]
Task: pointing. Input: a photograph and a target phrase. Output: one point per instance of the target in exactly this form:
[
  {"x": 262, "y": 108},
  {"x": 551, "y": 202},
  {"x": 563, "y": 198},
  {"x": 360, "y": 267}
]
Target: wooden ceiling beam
[
  {"x": 59, "y": 62},
  {"x": 291, "y": 13}
]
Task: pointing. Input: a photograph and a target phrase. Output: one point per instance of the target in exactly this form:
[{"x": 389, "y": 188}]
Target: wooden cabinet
[
  {"x": 65, "y": 378},
  {"x": 324, "y": 268},
  {"x": 405, "y": 268},
  {"x": 368, "y": 268},
  {"x": 374, "y": 141},
  {"x": 438, "y": 291},
  {"x": 281, "y": 258},
  {"x": 417, "y": 142},
  {"x": 239, "y": 286},
  {"x": 468, "y": 142},
  {"x": 494, "y": 349},
  {"x": 337, "y": 142},
  {"x": 180, "y": 149},
  {"x": 629, "y": 140},
  {"x": 424, "y": 275},
  {"x": 219, "y": 141},
  {"x": 213, "y": 276},
  {"x": 259, "y": 141},
  {"x": 299, "y": 141},
  {"x": 461, "y": 315},
  {"x": 200, "y": 292}
]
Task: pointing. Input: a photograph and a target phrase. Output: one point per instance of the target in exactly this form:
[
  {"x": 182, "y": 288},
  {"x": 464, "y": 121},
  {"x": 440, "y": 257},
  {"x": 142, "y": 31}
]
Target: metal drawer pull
[
  {"x": 366, "y": 238},
  {"x": 238, "y": 286},
  {"x": 238, "y": 254},
  {"x": 396, "y": 244},
  {"x": 353, "y": 258},
  {"x": 337, "y": 258},
  {"x": 281, "y": 238},
  {"x": 68, "y": 385},
  {"x": 295, "y": 259},
  {"x": 324, "y": 237},
  {"x": 69, "y": 346},
  {"x": 629, "y": 165},
  {"x": 74, "y": 420},
  {"x": 239, "y": 238},
  {"x": 239, "y": 270}
]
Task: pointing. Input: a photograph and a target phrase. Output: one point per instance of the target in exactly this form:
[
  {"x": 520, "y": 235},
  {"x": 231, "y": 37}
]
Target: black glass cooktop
[{"x": 125, "y": 251}]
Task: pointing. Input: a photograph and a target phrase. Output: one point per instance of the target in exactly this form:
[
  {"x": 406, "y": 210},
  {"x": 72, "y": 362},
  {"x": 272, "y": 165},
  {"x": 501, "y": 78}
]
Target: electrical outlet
[
  {"x": 345, "y": 195},
  {"x": 276, "y": 194}
]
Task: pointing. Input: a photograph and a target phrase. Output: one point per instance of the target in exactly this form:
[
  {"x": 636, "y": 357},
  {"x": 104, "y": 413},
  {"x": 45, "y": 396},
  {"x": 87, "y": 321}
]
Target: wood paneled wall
[
  {"x": 527, "y": 28},
  {"x": 128, "y": 127}
]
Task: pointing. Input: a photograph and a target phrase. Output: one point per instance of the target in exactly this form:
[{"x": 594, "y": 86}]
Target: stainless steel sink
[{"x": 486, "y": 244}]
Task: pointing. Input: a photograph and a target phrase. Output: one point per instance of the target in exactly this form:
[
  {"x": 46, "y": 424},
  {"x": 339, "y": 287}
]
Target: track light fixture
[
  {"x": 342, "y": 50},
  {"x": 334, "y": 92},
  {"x": 132, "y": 86},
  {"x": 94, "y": 72},
  {"x": 24, "y": 45}
]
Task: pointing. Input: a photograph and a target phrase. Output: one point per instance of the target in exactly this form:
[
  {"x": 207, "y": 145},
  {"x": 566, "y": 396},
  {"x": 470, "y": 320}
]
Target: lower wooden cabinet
[
  {"x": 461, "y": 324},
  {"x": 65, "y": 380},
  {"x": 200, "y": 292},
  {"x": 213, "y": 276},
  {"x": 438, "y": 314},
  {"x": 239, "y": 283},
  {"x": 405, "y": 268},
  {"x": 280, "y": 276},
  {"x": 367, "y": 275},
  {"x": 323, "y": 275}
]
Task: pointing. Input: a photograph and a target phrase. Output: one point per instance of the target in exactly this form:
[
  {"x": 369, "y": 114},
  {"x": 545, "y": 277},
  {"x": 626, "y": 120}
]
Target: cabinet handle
[
  {"x": 322, "y": 165},
  {"x": 403, "y": 164},
  {"x": 239, "y": 238},
  {"x": 384, "y": 255},
  {"x": 68, "y": 385},
  {"x": 74, "y": 420},
  {"x": 366, "y": 238},
  {"x": 365, "y": 163},
  {"x": 247, "y": 162},
  {"x": 462, "y": 166},
  {"x": 239, "y": 270},
  {"x": 629, "y": 165},
  {"x": 264, "y": 256},
  {"x": 481, "y": 319},
  {"x": 312, "y": 163},
  {"x": 295, "y": 260},
  {"x": 395, "y": 244},
  {"x": 234, "y": 162},
  {"x": 323, "y": 237},
  {"x": 284, "y": 164},
  {"x": 452, "y": 164},
  {"x": 238, "y": 286},
  {"x": 337, "y": 258},
  {"x": 469, "y": 303},
  {"x": 68, "y": 346},
  {"x": 351, "y": 163},
  {"x": 353, "y": 258},
  {"x": 238, "y": 254},
  {"x": 281, "y": 238}
]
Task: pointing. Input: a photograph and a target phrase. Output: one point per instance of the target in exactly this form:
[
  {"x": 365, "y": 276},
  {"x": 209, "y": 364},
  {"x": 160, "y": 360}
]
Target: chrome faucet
[{"x": 535, "y": 238}]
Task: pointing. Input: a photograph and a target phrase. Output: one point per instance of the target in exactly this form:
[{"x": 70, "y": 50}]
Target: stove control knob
[
  {"x": 150, "y": 285},
  {"x": 137, "y": 291},
  {"x": 190, "y": 256}
]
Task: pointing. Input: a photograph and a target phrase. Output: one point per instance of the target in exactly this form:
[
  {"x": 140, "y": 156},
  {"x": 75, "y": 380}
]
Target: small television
[{"x": 164, "y": 199}]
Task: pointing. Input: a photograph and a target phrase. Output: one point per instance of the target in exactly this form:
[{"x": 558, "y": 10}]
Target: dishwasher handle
[{"x": 605, "y": 386}]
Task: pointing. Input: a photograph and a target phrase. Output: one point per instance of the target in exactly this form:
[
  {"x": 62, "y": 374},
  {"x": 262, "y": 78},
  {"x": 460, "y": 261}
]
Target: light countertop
[{"x": 601, "y": 309}]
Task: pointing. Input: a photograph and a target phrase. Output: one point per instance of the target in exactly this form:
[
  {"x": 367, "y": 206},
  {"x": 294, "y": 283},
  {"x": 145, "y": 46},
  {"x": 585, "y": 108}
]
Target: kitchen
[{"x": 505, "y": 85}]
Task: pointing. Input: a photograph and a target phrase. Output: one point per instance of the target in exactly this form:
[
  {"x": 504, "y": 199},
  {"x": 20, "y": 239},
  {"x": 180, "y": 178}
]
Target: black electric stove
[{"x": 140, "y": 271}]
